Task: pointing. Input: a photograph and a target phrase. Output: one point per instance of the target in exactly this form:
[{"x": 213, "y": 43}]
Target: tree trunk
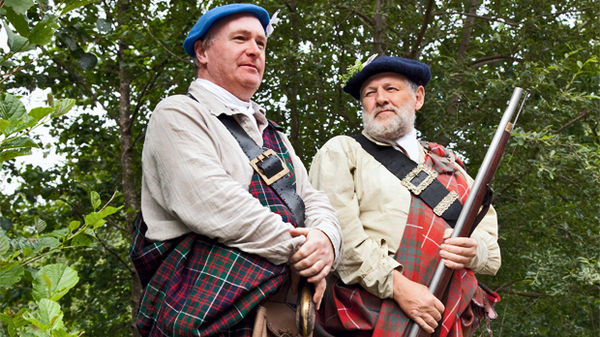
[
  {"x": 379, "y": 28},
  {"x": 416, "y": 49},
  {"x": 462, "y": 52},
  {"x": 292, "y": 92},
  {"x": 126, "y": 141}
]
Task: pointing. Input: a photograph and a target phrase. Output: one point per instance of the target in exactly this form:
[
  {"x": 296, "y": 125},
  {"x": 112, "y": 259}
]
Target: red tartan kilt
[
  {"x": 197, "y": 287},
  {"x": 349, "y": 310}
]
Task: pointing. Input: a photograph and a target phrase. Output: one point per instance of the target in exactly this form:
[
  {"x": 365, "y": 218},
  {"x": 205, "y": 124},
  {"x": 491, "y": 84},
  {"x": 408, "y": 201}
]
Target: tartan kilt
[{"x": 197, "y": 287}]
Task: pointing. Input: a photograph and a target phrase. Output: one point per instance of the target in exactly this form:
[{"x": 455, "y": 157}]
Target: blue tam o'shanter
[
  {"x": 211, "y": 17},
  {"x": 415, "y": 71}
]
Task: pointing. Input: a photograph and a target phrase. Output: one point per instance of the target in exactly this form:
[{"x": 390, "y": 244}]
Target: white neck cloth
[{"x": 228, "y": 99}]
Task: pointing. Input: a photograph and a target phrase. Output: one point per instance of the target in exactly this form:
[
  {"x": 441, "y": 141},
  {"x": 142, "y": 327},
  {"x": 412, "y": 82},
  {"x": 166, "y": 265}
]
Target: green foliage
[
  {"x": 546, "y": 188},
  {"x": 22, "y": 255},
  {"x": 16, "y": 123},
  {"x": 26, "y": 254},
  {"x": 351, "y": 71}
]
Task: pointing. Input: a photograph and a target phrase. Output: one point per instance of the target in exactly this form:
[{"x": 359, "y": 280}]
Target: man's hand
[
  {"x": 313, "y": 260},
  {"x": 417, "y": 302},
  {"x": 315, "y": 257},
  {"x": 457, "y": 252}
]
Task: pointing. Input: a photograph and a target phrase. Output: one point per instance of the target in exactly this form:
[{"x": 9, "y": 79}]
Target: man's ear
[
  {"x": 201, "y": 56},
  {"x": 420, "y": 97}
]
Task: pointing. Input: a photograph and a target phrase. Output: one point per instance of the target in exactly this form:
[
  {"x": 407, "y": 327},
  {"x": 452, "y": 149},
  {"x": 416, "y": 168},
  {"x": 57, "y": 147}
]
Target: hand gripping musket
[{"x": 470, "y": 210}]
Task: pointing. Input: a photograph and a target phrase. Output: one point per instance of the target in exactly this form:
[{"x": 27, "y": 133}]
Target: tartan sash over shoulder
[
  {"x": 349, "y": 310},
  {"x": 195, "y": 286}
]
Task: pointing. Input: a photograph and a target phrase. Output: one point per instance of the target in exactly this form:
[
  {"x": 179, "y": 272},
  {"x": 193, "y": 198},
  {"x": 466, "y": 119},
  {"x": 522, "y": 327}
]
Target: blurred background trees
[{"x": 118, "y": 58}]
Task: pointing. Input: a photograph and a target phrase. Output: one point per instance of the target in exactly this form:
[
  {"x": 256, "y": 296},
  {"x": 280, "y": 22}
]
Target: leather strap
[
  {"x": 270, "y": 165},
  {"x": 402, "y": 167}
]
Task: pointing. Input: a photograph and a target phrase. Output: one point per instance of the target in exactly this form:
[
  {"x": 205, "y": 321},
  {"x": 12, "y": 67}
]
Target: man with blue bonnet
[
  {"x": 228, "y": 213},
  {"x": 396, "y": 198}
]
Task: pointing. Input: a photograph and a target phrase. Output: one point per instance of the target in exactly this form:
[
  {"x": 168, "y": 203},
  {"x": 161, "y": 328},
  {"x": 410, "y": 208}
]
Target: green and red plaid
[
  {"x": 349, "y": 310},
  {"x": 194, "y": 286}
]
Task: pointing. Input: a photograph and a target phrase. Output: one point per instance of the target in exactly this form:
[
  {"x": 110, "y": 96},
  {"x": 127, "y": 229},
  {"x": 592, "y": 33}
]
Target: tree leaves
[
  {"x": 19, "y": 6},
  {"x": 53, "y": 282},
  {"x": 10, "y": 274},
  {"x": 14, "y": 120},
  {"x": 43, "y": 31},
  {"x": 13, "y": 111},
  {"x": 548, "y": 178},
  {"x": 74, "y": 4},
  {"x": 95, "y": 199}
]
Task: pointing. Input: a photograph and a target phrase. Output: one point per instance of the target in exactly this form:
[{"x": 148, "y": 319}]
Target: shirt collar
[
  {"x": 410, "y": 144},
  {"x": 228, "y": 99}
]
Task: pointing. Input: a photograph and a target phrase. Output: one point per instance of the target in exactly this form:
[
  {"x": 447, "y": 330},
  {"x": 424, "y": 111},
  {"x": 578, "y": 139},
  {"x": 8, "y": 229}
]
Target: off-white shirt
[
  {"x": 196, "y": 179},
  {"x": 373, "y": 207}
]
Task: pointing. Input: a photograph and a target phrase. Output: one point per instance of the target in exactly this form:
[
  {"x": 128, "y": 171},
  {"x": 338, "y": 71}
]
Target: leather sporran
[{"x": 480, "y": 309}]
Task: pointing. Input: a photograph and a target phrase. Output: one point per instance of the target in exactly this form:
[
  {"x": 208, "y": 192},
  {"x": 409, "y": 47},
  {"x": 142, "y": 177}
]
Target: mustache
[{"x": 386, "y": 107}]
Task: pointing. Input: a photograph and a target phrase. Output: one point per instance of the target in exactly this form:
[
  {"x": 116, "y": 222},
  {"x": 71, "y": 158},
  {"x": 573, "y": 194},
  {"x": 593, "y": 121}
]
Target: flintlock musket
[{"x": 466, "y": 219}]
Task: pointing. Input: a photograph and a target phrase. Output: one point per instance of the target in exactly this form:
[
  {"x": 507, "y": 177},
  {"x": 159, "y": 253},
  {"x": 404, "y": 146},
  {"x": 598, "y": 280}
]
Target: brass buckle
[
  {"x": 269, "y": 180},
  {"x": 423, "y": 183}
]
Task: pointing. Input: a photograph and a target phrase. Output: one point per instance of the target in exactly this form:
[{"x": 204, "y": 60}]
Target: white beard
[{"x": 397, "y": 126}]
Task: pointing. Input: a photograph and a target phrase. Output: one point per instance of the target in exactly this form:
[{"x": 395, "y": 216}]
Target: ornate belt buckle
[
  {"x": 262, "y": 157},
  {"x": 419, "y": 178}
]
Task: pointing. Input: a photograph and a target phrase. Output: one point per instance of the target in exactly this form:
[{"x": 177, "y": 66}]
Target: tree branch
[
  {"x": 113, "y": 253},
  {"x": 416, "y": 48},
  {"x": 165, "y": 48},
  {"x": 493, "y": 59},
  {"x": 483, "y": 17},
  {"x": 147, "y": 85},
  {"x": 572, "y": 121},
  {"x": 367, "y": 20},
  {"x": 521, "y": 293}
]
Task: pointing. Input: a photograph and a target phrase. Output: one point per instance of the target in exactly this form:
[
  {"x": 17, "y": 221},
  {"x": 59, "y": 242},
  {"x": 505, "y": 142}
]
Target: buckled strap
[
  {"x": 268, "y": 165},
  {"x": 283, "y": 187},
  {"x": 418, "y": 178}
]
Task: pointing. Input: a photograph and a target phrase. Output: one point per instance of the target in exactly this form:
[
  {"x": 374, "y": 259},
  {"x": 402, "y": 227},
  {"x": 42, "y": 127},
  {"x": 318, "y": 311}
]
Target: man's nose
[
  {"x": 253, "y": 48},
  {"x": 380, "y": 97}
]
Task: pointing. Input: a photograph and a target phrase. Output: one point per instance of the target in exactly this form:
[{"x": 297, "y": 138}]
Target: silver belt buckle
[{"x": 419, "y": 178}]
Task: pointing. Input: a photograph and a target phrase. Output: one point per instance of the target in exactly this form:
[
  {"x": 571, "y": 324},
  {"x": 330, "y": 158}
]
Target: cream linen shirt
[
  {"x": 373, "y": 207},
  {"x": 196, "y": 179}
]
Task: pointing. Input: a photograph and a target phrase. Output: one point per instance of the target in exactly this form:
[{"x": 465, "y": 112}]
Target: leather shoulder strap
[
  {"x": 268, "y": 165},
  {"x": 419, "y": 179}
]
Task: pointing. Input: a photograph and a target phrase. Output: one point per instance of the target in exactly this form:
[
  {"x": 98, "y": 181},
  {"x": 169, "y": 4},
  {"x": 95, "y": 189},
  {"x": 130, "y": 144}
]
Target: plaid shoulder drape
[{"x": 194, "y": 286}]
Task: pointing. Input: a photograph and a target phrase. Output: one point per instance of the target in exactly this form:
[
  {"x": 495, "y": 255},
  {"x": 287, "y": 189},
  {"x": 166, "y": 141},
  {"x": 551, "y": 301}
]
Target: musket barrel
[
  {"x": 442, "y": 275},
  {"x": 487, "y": 160}
]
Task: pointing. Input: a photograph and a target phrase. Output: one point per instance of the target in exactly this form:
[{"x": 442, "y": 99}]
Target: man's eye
[{"x": 392, "y": 89}]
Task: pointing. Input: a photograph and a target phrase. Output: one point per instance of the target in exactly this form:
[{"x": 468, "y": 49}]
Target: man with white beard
[{"x": 397, "y": 198}]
